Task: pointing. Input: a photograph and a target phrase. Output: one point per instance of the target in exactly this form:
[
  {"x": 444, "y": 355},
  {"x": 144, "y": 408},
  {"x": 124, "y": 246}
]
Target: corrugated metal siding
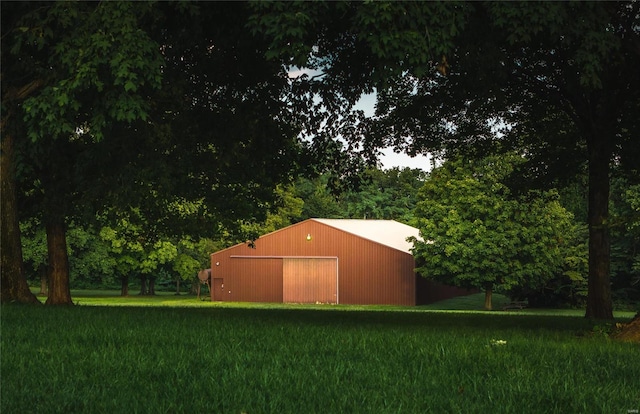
[
  {"x": 250, "y": 280},
  {"x": 310, "y": 280},
  {"x": 376, "y": 275},
  {"x": 369, "y": 273}
]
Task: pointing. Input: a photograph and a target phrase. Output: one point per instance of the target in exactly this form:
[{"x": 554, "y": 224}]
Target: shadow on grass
[{"x": 461, "y": 313}]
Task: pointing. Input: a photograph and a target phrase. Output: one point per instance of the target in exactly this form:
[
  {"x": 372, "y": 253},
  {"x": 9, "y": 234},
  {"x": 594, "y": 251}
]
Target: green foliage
[
  {"x": 477, "y": 234},
  {"x": 319, "y": 201},
  {"x": 95, "y": 51},
  {"x": 101, "y": 258},
  {"x": 625, "y": 245},
  {"x": 265, "y": 359},
  {"x": 385, "y": 195},
  {"x": 556, "y": 81},
  {"x": 136, "y": 251},
  {"x": 124, "y": 242},
  {"x": 568, "y": 287},
  {"x": 591, "y": 39},
  {"x": 413, "y": 34},
  {"x": 184, "y": 132},
  {"x": 160, "y": 252},
  {"x": 382, "y": 194},
  {"x": 192, "y": 257},
  {"x": 91, "y": 260},
  {"x": 34, "y": 246},
  {"x": 399, "y": 35},
  {"x": 286, "y": 210},
  {"x": 576, "y": 267}
]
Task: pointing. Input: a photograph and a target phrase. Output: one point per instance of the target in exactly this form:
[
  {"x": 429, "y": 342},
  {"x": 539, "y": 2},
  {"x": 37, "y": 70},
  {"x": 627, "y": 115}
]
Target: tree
[
  {"x": 625, "y": 241},
  {"x": 586, "y": 76},
  {"x": 563, "y": 84},
  {"x": 125, "y": 248},
  {"x": 378, "y": 194},
  {"x": 88, "y": 66},
  {"x": 192, "y": 257},
  {"x": 138, "y": 251},
  {"x": 34, "y": 247},
  {"x": 13, "y": 285},
  {"x": 90, "y": 261},
  {"x": 475, "y": 233},
  {"x": 287, "y": 209},
  {"x": 556, "y": 80},
  {"x": 385, "y": 195},
  {"x": 134, "y": 111},
  {"x": 319, "y": 200}
]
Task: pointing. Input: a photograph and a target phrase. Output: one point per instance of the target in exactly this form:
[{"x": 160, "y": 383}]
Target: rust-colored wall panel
[
  {"x": 255, "y": 280},
  {"x": 217, "y": 289}
]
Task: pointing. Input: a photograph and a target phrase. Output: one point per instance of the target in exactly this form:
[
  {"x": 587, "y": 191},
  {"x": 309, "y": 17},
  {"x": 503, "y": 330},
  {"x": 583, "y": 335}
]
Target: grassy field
[
  {"x": 473, "y": 303},
  {"x": 172, "y": 354}
]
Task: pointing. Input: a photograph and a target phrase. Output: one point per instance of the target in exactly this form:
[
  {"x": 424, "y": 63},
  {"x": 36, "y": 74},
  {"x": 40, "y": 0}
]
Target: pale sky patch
[{"x": 388, "y": 158}]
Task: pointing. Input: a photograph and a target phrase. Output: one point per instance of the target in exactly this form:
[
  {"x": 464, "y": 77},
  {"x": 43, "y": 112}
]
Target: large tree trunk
[
  {"x": 124, "y": 285},
  {"x": 599, "y": 305},
  {"x": 488, "y": 292},
  {"x": 152, "y": 285},
  {"x": 143, "y": 284},
  {"x": 13, "y": 283},
  {"x": 59, "y": 289}
]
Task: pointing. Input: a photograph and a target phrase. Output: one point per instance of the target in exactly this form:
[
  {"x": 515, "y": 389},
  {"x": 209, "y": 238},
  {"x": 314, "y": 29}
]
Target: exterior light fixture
[{"x": 309, "y": 237}]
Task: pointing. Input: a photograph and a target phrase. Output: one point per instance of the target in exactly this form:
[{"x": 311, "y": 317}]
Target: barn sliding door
[{"x": 310, "y": 280}]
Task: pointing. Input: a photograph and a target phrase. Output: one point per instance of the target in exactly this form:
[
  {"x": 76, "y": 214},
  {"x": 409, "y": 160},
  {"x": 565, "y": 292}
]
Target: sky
[{"x": 389, "y": 158}]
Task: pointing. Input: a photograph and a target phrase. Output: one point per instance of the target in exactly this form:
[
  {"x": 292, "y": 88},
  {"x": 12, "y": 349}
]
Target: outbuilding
[{"x": 326, "y": 261}]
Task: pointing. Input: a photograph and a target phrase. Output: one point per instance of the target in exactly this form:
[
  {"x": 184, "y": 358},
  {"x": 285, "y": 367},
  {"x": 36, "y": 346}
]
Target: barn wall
[
  {"x": 369, "y": 273},
  {"x": 375, "y": 274},
  {"x": 256, "y": 280}
]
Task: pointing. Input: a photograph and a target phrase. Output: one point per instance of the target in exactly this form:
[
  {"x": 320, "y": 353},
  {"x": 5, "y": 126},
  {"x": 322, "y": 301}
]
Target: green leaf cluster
[
  {"x": 476, "y": 233},
  {"x": 83, "y": 51}
]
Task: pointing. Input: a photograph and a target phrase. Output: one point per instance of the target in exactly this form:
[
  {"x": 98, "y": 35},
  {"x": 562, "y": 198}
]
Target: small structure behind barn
[{"x": 326, "y": 261}]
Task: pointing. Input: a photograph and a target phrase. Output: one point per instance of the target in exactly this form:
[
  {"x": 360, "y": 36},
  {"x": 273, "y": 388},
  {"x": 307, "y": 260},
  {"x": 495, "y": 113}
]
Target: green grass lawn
[
  {"x": 474, "y": 303},
  {"x": 171, "y": 354}
]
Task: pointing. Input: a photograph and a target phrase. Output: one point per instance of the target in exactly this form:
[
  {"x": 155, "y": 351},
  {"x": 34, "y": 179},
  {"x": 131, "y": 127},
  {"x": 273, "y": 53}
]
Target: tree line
[
  {"x": 105, "y": 255},
  {"x": 186, "y": 116},
  {"x": 476, "y": 234}
]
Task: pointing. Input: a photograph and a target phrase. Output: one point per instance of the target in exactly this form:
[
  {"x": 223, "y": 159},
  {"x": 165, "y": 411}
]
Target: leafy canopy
[{"x": 475, "y": 233}]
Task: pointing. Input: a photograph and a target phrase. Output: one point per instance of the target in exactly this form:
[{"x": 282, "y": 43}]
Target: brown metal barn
[{"x": 326, "y": 261}]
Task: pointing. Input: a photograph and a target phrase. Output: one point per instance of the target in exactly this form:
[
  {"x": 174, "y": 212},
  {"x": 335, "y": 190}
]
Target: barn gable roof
[{"x": 386, "y": 232}]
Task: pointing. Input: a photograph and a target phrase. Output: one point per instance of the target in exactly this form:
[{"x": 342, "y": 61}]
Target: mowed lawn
[{"x": 202, "y": 357}]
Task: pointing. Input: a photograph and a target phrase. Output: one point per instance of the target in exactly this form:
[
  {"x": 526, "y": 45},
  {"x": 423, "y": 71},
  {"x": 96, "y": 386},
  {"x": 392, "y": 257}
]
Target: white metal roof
[{"x": 387, "y": 232}]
